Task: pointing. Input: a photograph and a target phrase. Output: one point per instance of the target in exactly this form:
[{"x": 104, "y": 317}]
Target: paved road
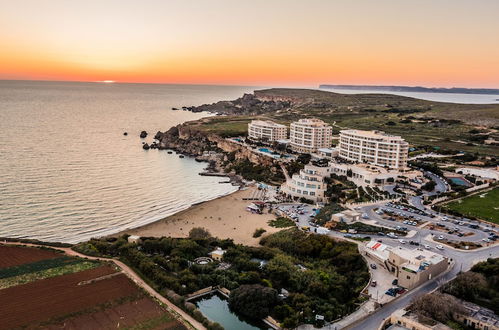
[
  {"x": 182, "y": 316},
  {"x": 463, "y": 262},
  {"x": 441, "y": 184}
]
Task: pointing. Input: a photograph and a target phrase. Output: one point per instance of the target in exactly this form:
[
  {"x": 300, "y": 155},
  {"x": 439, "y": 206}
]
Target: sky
[{"x": 435, "y": 43}]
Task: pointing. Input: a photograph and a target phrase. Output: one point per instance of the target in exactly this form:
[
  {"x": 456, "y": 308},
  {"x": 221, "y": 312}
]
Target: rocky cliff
[{"x": 187, "y": 140}]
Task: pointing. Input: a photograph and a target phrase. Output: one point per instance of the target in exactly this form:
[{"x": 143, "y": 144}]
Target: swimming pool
[{"x": 460, "y": 181}]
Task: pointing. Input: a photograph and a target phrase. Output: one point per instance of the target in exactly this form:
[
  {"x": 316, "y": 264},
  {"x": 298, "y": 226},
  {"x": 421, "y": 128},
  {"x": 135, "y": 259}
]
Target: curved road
[
  {"x": 463, "y": 262},
  {"x": 182, "y": 316}
]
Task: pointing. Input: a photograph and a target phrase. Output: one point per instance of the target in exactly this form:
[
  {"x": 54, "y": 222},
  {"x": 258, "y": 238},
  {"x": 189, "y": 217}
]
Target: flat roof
[
  {"x": 373, "y": 134},
  {"x": 416, "y": 257},
  {"x": 266, "y": 123}
]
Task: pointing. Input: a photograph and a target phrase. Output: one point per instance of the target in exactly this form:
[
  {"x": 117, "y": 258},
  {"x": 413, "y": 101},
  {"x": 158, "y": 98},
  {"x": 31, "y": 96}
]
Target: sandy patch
[{"x": 224, "y": 217}]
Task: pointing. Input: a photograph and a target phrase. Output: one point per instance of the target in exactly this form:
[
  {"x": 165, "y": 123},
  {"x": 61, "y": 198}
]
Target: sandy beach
[{"x": 224, "y": 217}]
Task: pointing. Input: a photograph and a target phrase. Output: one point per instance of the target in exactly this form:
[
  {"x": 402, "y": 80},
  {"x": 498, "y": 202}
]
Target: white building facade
[
  {"x": 309, "y": 135},
  {"x": 262, "y": 130},
  {"x": 373, "y": 147},
  {"x": 309, "y": 183}
]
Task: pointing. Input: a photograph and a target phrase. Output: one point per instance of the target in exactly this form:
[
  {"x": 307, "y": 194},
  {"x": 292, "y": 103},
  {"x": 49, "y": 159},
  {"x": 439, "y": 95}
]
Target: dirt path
[{"x": 182, "y": 316}]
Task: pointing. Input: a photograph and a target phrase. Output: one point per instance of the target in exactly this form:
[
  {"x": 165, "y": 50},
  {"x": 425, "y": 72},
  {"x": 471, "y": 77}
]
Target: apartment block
[
  {"x": 262, "y": 130},
  {"x": 373, "y": 147},
  {"x": 309, "y": 135}
]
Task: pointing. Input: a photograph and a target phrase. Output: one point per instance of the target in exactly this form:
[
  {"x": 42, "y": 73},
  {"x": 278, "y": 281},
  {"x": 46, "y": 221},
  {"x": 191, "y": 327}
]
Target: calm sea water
[
  {"x": 437, "y": 97},
  {"x": 67, "y": 172}
]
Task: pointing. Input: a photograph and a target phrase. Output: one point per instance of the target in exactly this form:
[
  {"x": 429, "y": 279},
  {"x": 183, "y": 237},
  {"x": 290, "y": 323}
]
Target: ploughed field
[
  {"x": 16, "y": 255},
  {"x": 72, "y": 293}
]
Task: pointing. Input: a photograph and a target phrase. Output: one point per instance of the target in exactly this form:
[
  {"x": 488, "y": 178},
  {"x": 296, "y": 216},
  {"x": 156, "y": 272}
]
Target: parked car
[
  {"x": 440, "y": 247},
  {"x": 426, "y": 246},
  {"x": 391, "y": 292},
  {"x": 373, "y": 266},
  {"x": 400, "y": 290},
  {"x": 395, "y": 282},
  {"x": 402, "y": 241},
  {"x": 374, "y": 283},
  {"x": 441, "y": 237}
]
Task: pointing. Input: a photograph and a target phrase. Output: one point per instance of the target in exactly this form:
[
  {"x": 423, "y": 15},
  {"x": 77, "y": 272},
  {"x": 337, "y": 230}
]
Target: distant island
[{"x": 456, "y": 90}]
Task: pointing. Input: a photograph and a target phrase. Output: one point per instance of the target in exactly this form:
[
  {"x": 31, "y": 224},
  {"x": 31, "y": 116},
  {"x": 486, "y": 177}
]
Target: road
[
  {"x": 463, "y": 262},
  {"x": 182, "y": 316}
]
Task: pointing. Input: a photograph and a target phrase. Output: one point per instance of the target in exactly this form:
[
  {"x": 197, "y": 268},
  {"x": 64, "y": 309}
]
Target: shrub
[
  {"x": 254, "y": 301},
  {"x": 199, "y": 233},
  {"x": 258, "y": 232},
  {"x": 281, "y": 222}
]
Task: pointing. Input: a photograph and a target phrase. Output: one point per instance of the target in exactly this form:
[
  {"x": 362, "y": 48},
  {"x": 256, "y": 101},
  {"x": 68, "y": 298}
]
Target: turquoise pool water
[
  {"x": 267, "y": 150},
  {"x": 460, "y": 181}
]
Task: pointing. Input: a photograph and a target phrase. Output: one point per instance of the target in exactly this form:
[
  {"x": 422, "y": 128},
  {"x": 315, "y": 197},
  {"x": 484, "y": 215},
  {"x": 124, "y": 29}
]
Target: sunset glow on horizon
[{"x": 289, "y": 43}]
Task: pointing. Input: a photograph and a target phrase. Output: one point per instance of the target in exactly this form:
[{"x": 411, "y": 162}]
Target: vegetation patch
[
  {"x": 479, "y": 285},
  {"x": 250, "y": 171},
  {"x": 482, "y": 205},
  {"x": 319, "y": 275},
  {"x": 46, "y": 273},
  {"x": 37, "y": 266},
  {"x": 258, "y": 232},
  {"x": 281, "y": 222},
  {"x": 326, "y": 212}
]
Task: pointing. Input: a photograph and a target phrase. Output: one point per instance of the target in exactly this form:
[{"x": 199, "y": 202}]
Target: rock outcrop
[{"x": 185, "y": 139}]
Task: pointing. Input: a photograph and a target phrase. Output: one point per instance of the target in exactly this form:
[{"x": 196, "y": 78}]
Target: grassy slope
[
  {"x": 484, "y": 208},
  {"x": 373, "y": 111}
]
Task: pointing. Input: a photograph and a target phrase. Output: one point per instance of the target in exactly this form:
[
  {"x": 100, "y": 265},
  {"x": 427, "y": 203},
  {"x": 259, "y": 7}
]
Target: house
[
  {"x": 402, "y": 319},
  {"x": 411, "y": 267},
  {"x": 478, "y": 317},
  {"x": 414, "y": 267},
  {"x": 217, "y": 254},
  {"x": 134, "y": 239},
  {"x": 347, "y": 216}
]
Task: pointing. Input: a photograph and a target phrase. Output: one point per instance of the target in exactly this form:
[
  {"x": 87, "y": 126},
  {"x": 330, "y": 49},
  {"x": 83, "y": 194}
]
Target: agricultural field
[
  {"x": 54, "y": 291},
  {"x": 17, "y": 255},
  {"x": 483, "y": 206}
]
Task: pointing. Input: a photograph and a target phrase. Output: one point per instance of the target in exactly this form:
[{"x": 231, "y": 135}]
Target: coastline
[{"x": 224, "y": 217}]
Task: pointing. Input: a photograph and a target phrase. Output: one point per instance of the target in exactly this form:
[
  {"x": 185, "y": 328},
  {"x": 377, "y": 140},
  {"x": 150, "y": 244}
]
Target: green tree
[{"x": 253, "y": 301}]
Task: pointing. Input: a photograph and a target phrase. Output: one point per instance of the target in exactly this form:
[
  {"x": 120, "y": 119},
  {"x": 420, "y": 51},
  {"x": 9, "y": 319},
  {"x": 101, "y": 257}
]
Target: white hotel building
[
  {"x": 261, "y": 130},
  {"x": 309, "y": 135},
  {"x": 309, "y": 183},
  {"x": 373, "y": 147}
]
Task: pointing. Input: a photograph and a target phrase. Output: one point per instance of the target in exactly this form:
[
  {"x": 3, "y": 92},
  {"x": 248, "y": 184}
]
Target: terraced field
[{"x": 46, "y": 289}]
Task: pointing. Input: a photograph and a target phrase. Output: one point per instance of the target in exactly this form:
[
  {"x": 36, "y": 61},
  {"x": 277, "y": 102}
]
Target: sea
[
  {"x": 436, "y": 97},
  {"x": 68, "y": 173}
]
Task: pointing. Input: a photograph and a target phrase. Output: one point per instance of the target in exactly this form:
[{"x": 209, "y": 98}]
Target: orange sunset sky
[{"x": 273, "y": 42}]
